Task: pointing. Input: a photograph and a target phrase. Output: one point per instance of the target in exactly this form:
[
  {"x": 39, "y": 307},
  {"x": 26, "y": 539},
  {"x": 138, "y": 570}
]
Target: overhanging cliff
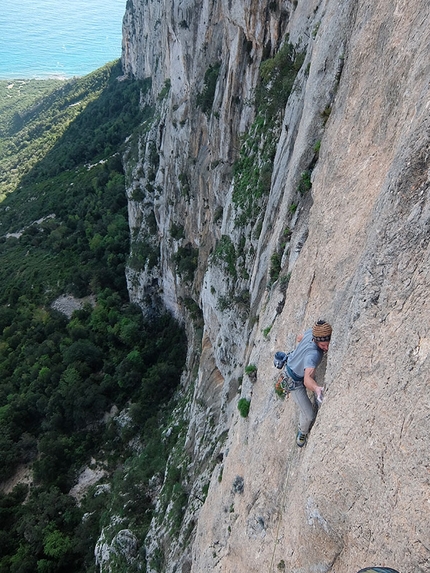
[{"x": 285, "y": 177}]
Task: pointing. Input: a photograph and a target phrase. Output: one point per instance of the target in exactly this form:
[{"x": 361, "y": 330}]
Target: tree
[{"x": 55, "y": 543}]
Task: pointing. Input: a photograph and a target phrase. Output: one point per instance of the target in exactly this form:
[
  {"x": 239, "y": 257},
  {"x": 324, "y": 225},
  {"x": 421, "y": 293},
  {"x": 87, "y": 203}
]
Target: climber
[{"x": 300, "y": 367}]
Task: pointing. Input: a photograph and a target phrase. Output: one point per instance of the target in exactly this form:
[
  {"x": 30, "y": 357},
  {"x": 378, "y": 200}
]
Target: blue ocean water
[{"x": 58, "y": 38}]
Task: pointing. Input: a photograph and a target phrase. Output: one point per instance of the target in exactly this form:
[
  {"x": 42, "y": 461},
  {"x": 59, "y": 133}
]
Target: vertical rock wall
[{"x": 356, "y": 252}]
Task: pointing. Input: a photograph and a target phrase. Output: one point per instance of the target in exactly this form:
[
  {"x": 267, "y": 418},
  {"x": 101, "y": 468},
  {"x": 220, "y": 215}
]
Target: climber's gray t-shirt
[{"x": 306, "y": 355}]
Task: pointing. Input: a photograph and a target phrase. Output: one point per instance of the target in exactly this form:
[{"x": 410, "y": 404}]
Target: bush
[
  {"x": 266, "y": 331},
  {"x": 205, "y": 99},
  {"x": 243, "y": 406},
  {"x": 186, "y": 260},
  {"x": 305, "y": 182},
  {"x": 275, "y": 266},
  {"x": 225, "y": 252},
  {"x": 251, "y": 371}
]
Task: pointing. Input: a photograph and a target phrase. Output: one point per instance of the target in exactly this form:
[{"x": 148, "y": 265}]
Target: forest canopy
[{"x": 64, "y": 380}]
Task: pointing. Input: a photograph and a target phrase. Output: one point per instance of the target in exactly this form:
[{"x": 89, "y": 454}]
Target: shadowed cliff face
[{"x": 353, "y": 248}]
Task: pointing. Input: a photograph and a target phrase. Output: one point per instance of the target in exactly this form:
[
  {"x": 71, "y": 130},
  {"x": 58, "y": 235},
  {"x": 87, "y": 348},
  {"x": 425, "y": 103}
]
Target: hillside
[
  {"x": 85, "y": 380},
  {"x": 285, "y": 178}
]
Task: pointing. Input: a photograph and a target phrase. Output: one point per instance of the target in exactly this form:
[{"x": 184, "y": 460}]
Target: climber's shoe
[{"x": 301, "y": 439}]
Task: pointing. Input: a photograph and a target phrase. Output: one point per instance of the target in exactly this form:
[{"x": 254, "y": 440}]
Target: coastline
[
  {"x": 41, "y": 76},
  {"x": 61, "y": 76},
  {"x": 21, "y": 78}
]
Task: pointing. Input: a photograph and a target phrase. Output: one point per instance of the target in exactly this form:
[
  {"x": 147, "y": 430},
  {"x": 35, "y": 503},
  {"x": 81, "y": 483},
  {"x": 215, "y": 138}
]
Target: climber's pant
[{"x": 306, "y": 409}]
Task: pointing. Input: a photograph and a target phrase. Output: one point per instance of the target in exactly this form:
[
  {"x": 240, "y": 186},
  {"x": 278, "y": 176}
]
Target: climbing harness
[
  {"x": 287, "y": 381},
  {"x": 285, "y": 384}
]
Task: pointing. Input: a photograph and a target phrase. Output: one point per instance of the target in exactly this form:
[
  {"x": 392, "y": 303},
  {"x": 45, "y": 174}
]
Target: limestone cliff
[{"x": 251, "y": 217}]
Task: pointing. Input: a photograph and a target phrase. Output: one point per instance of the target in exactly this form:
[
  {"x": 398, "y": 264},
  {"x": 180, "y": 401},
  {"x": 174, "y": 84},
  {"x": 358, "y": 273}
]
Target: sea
[{"x": 58, "y": 38}]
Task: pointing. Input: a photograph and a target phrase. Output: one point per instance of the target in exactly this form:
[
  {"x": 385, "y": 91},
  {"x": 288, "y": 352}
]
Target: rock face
[{"x": 354, "y": 249}]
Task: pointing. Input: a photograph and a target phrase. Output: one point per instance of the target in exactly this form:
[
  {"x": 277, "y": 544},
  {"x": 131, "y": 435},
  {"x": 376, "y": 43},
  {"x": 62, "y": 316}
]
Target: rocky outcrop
[{"x": 342, "y": 232}]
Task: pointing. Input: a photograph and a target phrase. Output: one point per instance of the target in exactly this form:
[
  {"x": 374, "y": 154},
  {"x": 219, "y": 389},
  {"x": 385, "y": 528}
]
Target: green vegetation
[
  {"x": 243, "y": 406},
  {"x": 225, "y": 254},
  {"x": 67, "y": 209},
  {"x": 253, "y": 169},
  {"x": 251, "y": 369},
  {"x": 185, "y": 185},
  {"x": 186, "y": 260},
  {"x": 41, "y": 116},
  {"x": 241, "y": 300},
  {"x": 305, "y": 183},
  {"x": 266, "y": 331},
  {"x": 325, "y": 114},
  {"x": 177, "y": 231},
  {"x": 218, "y": 214},
  {"x": 166, "y": 89},
  {"x": 275, "y": 267},
  {"x": 20, "y": 98},
  {"x": 283, "y": 282},
  {"x": 315, "y": 30},
  {"x": 143, "y": 253},
  {"x": 21, "y": 102},
  {"x": 252, "y": 176},
  {"x": 195, "y": 311},
  {"x": 205, "y": 98},
  {"x": 287, "y": 233},
  {"x": 224, "y": 303}
]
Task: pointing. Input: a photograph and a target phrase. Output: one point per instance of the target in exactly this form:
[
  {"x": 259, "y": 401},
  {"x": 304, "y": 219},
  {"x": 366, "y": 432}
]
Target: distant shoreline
[
  {"x": 31, "y": 75},
  {"x": 50, "y": 76},
  {"x": 38, "y": 78}
]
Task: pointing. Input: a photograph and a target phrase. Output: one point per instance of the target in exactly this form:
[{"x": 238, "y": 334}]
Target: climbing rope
[{"x": 292, "y": 458}]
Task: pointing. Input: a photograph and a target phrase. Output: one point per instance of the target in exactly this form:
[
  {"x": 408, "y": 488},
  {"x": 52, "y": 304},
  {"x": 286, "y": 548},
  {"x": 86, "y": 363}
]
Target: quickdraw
[{"x": 285, "y": 384}]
